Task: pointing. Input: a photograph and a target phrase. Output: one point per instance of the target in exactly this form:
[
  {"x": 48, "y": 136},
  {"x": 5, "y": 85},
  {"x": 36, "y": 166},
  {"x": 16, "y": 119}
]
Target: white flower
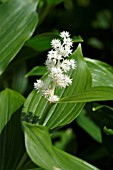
[
  {"x": 39, "y": 85},
  {"x": 60, "y": 80},
  {"x": 53, "y": 98},
  {"x": 68, "y": 42},
  {"x": 48, "y": 92},
  {"x": 64, "y": 34},
  {"x": 56, "y": 43},
  {"x": 50, "y": 63},
  {"x": 55, "y": 71},
  {"x": 57, "y": 66},
  {"x": 72, "y": 63},
  {"x": 52, "y": 54},
  {"x": 66, "y": 65}
]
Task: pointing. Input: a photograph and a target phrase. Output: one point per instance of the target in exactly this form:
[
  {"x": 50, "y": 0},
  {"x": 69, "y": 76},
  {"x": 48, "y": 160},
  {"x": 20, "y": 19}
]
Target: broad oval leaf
[
  {"x": 18, "y": 20},
  {"x": 57, "y": 115},
  {"x": 10, "y": 101},
  {"x": 44, "y": 154},
  {"x": 102, "y": 73}
]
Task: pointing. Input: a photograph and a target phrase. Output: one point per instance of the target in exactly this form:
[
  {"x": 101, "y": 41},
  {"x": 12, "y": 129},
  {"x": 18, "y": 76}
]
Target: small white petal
[
  {"x": 50, "y": 63},
  {"x": 72, "y": 63},
  {"x": 39, "y": 84},
  {"x": 53, "y": 98},
  {"x": 68, "y": 42},
  {"x": 48, "y": 92},
  {"x": 56, "y": 43},
  {"x": 64, "y": 34}
]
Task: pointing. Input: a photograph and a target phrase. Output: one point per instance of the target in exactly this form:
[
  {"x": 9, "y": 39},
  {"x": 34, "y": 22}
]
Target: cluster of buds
[{"x": 57, "y": 65}]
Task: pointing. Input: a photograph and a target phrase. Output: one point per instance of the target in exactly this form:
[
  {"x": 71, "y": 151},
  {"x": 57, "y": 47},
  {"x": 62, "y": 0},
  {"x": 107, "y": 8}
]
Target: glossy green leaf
[
  {"x": 44, "y": 154},
  {"x": 100, "y": 93},
  {"x": 102, "y": 73},
  {"x": 41, "y": 42},
  {"x": 10, "y": 101},
  {"x": 89, "y": 126},
  {"x": 18, "y": 20},
  {"x": 57, "y": 115},
  {"x": 37, "y": 71}
]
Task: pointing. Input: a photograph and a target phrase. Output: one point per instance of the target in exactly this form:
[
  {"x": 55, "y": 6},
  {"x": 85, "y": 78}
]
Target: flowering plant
[
  {"x": 57, "y": 65},
  {"x": 35, "y": 127}
]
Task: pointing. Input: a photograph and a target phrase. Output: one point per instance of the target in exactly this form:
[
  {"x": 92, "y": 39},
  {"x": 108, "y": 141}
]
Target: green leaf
[
  {"x": 89, "y": 126},
  {"x": 56, "y": 2},
  {"x": 64, "y": 139},
  {"x": 44, "y": 154},
  {"x": 18, "y": 20},
  {"x": 100, "y": 93},
  {"x": 41, "y": 42},
  {"x": 57, "y": 115},
  {"x": 95, "y": 43},
  {"x": 102, "y": 73},
  {"x": 12, "y": 145},
  {"x": 10, "y": 101},
  {"x": 37, "y": 71},
  {"x": 77, "y": 39},
  {"x": 19, "y": 82}
]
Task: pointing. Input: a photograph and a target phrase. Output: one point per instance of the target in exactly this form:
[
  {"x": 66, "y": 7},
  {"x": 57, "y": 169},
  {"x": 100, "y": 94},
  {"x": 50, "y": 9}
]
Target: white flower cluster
[{"x": 58, "y": 66}]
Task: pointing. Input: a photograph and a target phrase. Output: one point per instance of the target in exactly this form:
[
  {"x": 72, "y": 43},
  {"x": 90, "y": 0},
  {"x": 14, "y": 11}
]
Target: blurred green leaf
[
  {"x": 57, "y": 115},
  {"x": 100, "y": 93},
  {"x": 41, "y": 42},
  {"x": 102, "y": 73},
  {"x": 43, "y": 153},
  {"x": 3, "y": 1},
  {"x": 96, "y": 43},
  {"x": 64, "y": 140},
  {"x": 37, "y": 71},
  {"x": 103, "y": 19},
  {"x": 89, "y": 126},
  {"x": 54, "y": 2},
  {"x": 108, "y": 131},
  {"x": 10, "y": 101},
  {"x": 77, "y": 39},
  {"x": 19, "y": 82},
  {"x": 18, "y": 20}
]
